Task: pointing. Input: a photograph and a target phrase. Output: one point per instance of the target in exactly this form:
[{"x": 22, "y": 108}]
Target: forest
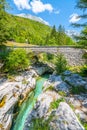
[{"x": 22, "y": 30}]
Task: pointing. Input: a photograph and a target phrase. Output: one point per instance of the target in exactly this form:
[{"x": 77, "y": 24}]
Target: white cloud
[
  {"x": 74, "y": 18},
  {"x": 37, "y": 6},
  {"x": 22, "y": 4}
]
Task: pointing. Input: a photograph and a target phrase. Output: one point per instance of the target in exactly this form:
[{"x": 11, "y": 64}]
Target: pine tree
[
  {"x": 82, "y": 5},
  {"x": 53, "y": 32},
  {"x": 61, "y": 36}
]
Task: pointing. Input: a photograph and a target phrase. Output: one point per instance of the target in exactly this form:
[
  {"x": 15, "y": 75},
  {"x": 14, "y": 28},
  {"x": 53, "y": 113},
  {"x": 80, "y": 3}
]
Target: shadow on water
[{"x": 28, "y": 104}]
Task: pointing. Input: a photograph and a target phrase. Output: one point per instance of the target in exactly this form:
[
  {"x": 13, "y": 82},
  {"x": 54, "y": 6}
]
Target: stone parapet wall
[{"x": 72, "y": 54}]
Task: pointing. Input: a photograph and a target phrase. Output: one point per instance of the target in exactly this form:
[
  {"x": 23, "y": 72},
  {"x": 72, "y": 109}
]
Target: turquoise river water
[{"x": 28, "y": 105}]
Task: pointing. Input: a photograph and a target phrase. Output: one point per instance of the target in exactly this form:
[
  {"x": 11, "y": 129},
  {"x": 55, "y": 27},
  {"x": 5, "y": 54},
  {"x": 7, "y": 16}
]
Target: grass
[
  {"x": 13, "y": 44},
  {"x": 62, "y": 93},
  {"x": 75, "y": 69},
  {"x": 85, "y": 125},
  {"x": 40, "y": 124},
  {"x": 81, "y": 70},
  {"x": 56, "y": 103},
  {"x": 71, "y": 105},
  {"x": 50, "y": 88}
]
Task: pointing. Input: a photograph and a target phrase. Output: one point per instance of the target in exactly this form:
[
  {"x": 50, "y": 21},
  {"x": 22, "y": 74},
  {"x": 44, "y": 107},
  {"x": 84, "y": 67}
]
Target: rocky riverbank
[
  {"x": 62, "y": 102},
  {"x": 12, "y": 91},
  {"x": 60, "y": 105}
]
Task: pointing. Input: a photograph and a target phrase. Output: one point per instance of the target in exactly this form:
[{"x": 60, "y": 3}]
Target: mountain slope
[{"x": 26, "y": 30}]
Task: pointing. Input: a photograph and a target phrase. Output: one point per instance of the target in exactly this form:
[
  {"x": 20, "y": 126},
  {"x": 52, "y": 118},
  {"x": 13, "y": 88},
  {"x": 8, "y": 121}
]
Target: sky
[{"x": 54, "y": 12}]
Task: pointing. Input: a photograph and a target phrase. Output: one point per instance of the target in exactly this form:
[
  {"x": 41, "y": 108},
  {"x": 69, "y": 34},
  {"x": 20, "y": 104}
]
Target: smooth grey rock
[
  {"x": 65, "y": 119},
  {"x": 85, "y": 86},
  {"x": 67, "y": 73},
  {"x": 42, "y": 106},
  {"x": 62, "y": 86},
  {"x": 75, "y": 80},
  {"x": 84, "y": 103},
  {"x": 58, "y": 84},
  {"x": 12, "y": 91}
]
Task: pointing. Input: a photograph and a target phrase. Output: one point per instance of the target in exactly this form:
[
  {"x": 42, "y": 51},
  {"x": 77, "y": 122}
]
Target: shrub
[
  {"x": 77, "y": 90},
  {"x": 17, "y": 60},
  {"x": 4, "y": 51},
  {"x": 40, "y": 124},
  {"x": 60, "y": 64},
  {"x": 84, "y": 70}
]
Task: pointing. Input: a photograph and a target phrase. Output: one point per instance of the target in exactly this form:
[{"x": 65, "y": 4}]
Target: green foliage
[
  {"x": 28, "y": 31},
  {"x": 71, "y": 105},
  {"x": 40, "y": 124},
  {"x": 3, "y": 52},
  {"x": 58, "y": 37},
  {"x": 78, "y": 90},
  {"x": 84, "y": 124},
  {"x": 50, "y": 88},
  {"x": 3, "y": 22},
  {"x": 17, "y": 60},
  {"x": 85, "y": 55},
  {"x": 83, "y": 71},
  {"x": 82, "y": 39},
  {"x": 61, "y": 64},
  {"x": 56, "y": 103},
  {"x": 62, "y": 93}
]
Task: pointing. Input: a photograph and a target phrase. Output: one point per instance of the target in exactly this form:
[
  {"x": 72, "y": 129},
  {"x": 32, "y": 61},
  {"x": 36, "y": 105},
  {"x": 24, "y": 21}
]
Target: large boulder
[
  {"x": 75, "y": 80},
  {"x": 65, "y": 119},
  {"x": 57, "y": 83}
]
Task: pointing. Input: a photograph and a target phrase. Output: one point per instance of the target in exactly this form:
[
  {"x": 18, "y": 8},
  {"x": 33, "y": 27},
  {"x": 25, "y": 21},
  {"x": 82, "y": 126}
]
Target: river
[{"x": 28, "y": 104}]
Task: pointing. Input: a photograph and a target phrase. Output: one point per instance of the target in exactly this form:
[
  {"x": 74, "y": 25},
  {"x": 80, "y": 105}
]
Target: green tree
[
  {"x": 61, "y": 36},
  {"x": 53, "y": 32},
  {"x": 3, "y": 22},
  {"x": 17, "y": 60},
  {"x": 82, "y": 5},
  {"x": 61, "y": 64}
]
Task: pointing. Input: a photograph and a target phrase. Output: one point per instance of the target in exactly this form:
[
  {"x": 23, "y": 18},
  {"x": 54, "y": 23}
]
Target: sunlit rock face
[
  {"x": 65, "y": 116},
  {"x": 11, "y": 92},
  {"x": 56, "y": 87},
  {"x": 65, "y": 119}
]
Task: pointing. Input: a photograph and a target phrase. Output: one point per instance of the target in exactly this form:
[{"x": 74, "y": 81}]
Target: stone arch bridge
[{"x": 73, "y": 55}]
